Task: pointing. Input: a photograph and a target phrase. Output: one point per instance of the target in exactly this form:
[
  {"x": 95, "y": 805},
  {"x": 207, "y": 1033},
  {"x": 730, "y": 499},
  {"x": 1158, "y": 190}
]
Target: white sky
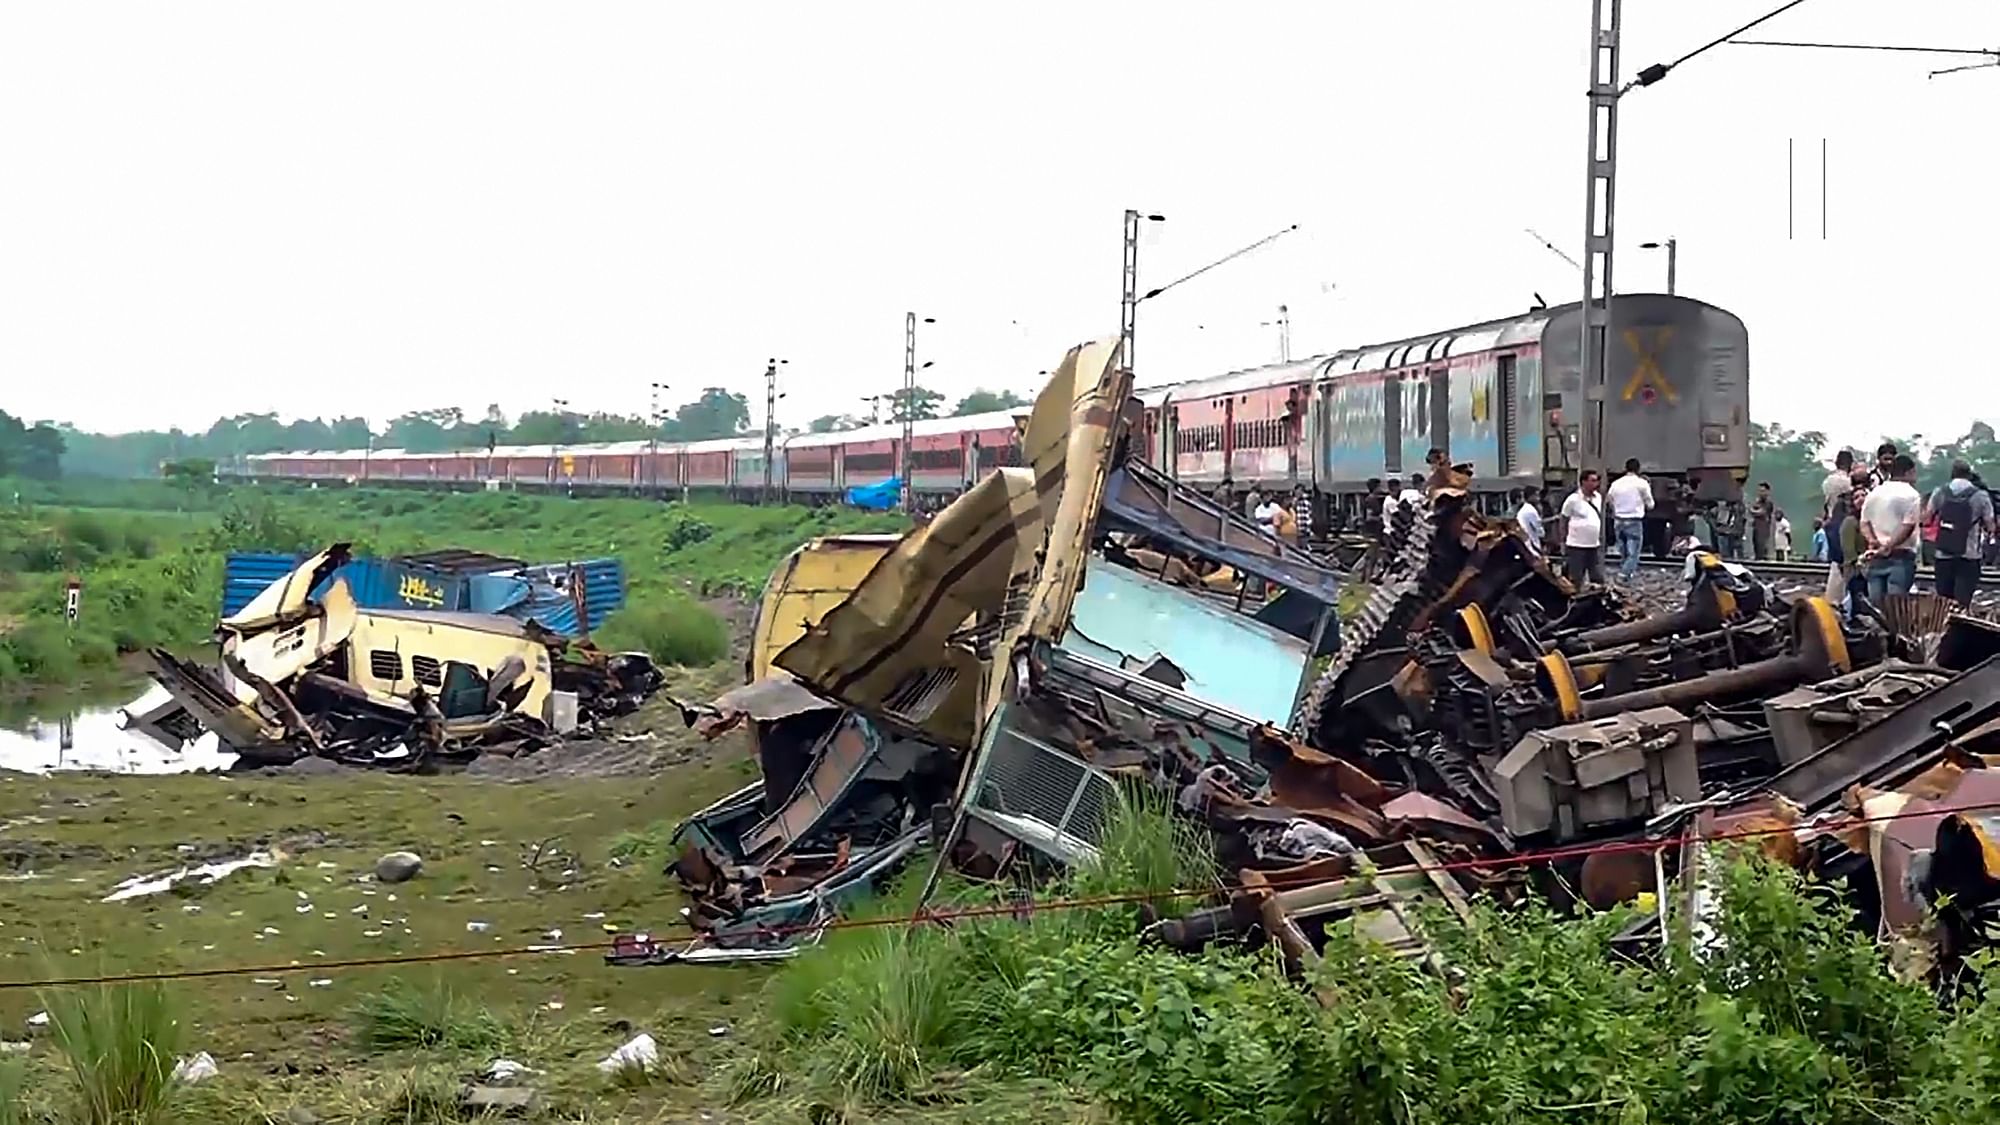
[{"x": 374, "y": 207}]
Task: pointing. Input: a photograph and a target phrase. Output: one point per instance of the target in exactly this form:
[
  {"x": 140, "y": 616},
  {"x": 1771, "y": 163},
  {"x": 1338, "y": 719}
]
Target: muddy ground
[{"x": 564, "y": 847}]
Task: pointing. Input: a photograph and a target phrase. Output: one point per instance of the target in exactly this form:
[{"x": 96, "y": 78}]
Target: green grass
[
  {"x": 672, "y": 628},
  {"x": 120, "y": 1042},
  {"x": 558, "y": 1014},
  {"x": 13, "y": 1081},
  {"x": 402, "y": 1014}
]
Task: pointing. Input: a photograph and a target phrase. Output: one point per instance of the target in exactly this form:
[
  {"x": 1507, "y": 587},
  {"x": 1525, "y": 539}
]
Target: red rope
[{"x": 1524, "y": 859}]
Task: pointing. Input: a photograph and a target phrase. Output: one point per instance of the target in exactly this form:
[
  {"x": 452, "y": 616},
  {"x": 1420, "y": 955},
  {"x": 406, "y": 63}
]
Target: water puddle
[{"x": 94, "y": 739}]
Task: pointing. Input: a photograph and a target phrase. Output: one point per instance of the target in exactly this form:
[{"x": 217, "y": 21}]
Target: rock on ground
[{"x": 398, "y": 867}]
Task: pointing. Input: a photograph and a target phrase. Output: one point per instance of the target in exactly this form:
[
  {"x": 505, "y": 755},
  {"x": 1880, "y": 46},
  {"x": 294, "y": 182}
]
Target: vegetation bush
[
  {"x": 403, "y": 1014},
  {"x": 673, "y": 629},
  {"x": 120, "y": 1043},
  {"x": 1789, "y": 1016}
]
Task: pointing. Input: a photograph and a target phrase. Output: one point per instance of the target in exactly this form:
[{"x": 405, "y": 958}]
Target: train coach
[
  {"x": 946, "y": 456},
  {"x": 1504, "y": 396}
]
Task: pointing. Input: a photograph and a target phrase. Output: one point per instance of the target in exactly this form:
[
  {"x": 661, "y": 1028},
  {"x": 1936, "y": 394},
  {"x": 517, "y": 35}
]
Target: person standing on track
[
  {"x": 1761, "y": 520},
  {"x": 1885, "y": 464},
  {"x": 1889, "y": 522},
  {"x": 1630, "y": 498},
  {"x": 1964, "y": 515},
  {"x": 1781, "y": 537},
  {"x": 1583, "y": 532},
  {"x": 1837, "y": 483},
  {"x": 1529, "y": 517}
]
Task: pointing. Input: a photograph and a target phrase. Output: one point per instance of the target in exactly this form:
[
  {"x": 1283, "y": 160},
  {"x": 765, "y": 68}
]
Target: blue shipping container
[{"x": 538, "y": 592}]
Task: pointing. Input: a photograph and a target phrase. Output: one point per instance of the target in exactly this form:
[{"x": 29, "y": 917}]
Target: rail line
[{"x": 1772, "y": 568}]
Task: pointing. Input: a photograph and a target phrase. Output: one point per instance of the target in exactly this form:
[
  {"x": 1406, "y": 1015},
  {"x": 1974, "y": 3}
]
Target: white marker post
[{"x": 73, "y": 599}]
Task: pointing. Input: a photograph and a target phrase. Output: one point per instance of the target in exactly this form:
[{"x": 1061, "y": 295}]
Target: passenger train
[{"x": 1504, "y": 396}]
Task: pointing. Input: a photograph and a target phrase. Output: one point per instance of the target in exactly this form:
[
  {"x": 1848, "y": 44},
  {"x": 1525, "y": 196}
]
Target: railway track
[{"x": 1988, "y": 579}]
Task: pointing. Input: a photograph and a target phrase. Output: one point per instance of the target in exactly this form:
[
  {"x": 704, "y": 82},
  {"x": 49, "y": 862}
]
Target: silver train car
[{"x": 1505, "y": 396}]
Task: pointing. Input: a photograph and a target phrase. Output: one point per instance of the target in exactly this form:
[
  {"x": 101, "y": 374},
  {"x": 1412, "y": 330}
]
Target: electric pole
[
  {"x": 1284, "y": 334},
  {"x": 1128, "y": 306},
  {"x": 771, "y": 397},
  {"x": 1602, "y": 179},
  {"x": 909, "y": 406},
  {"x": 655, "y": 420}
]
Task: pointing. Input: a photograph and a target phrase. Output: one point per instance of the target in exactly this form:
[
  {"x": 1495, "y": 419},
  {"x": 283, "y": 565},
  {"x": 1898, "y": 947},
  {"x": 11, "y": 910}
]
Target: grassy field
[{"x": 150, "y": 558}]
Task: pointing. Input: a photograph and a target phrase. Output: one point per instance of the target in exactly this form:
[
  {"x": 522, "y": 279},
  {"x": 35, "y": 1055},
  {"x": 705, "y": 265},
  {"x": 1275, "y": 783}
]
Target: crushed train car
[
  {"x": 982, "y": 687},
  {"x": 305, "y": 671},
  {"x": 566, "y": 598}
]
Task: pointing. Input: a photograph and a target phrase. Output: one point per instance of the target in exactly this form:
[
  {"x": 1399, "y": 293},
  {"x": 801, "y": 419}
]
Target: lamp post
[{"x": 1672, "y": 246}]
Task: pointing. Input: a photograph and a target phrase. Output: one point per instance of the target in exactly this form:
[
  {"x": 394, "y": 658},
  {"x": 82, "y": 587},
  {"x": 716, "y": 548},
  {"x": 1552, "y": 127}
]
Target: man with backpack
[{"x": 1963, "y": 515}]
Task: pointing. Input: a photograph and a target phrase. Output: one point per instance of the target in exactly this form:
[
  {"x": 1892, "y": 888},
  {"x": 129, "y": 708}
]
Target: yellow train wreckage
[
  {"x": 984, "y": 689},
  {"x": 303, "y": 675}
]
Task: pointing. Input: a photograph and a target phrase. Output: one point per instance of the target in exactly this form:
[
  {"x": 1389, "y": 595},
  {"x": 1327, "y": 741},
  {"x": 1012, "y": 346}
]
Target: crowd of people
[{"x": 1872, "y": 528}]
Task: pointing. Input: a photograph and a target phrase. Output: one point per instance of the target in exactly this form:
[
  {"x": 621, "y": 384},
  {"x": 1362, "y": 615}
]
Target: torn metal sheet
[
  {"x": 808, "y": 584},
  {"x": 397, "y": 688},
  {"x": 915, "y": 641},
  {"x": 288, "y": 597},
  {"x": 1141, "y": 501},
  {"x": 891, "y": 647}
]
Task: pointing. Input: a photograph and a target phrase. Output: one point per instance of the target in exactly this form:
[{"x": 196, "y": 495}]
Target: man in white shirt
[
  {"x": 1889, "y": 526},
  {"x": 1413, "y": 495},
  {"x": 1838, "y": 483},
  {"x": 1529, "y": 517},
  {"x": 1583, "y": 532},
  {"x": 1630, "y": 497},
  {"x": 1262, "y": 510}
]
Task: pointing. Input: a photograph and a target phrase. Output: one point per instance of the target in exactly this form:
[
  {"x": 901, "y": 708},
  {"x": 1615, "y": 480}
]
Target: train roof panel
[
  {"x": 1250, "y": 379},
  {"x": 922, "y": 427}
]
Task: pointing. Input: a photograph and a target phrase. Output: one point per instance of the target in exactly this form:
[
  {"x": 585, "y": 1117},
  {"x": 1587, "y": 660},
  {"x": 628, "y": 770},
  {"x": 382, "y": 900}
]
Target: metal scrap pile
[
  {"x": 304, "y": 674},
  {"x": 985, "y": 685}
]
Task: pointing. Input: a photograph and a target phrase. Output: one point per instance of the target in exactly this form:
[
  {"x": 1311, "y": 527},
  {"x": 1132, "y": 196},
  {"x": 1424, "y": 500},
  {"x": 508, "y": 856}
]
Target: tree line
[
  {"x": 1795, "y": 462},
  {"x": 46, "y": 450},
  {"x": 35, "y": 452}
]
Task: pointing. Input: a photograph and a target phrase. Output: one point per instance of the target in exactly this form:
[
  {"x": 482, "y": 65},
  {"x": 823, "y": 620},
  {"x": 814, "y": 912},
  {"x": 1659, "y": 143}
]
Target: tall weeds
[
  {"x": 120, "y": 1042},
  {"x": 403, "y": 1015}
]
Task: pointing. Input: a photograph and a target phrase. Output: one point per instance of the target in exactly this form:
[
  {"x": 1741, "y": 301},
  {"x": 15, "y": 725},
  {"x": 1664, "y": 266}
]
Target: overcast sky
[{"x": 209, "y": 208}]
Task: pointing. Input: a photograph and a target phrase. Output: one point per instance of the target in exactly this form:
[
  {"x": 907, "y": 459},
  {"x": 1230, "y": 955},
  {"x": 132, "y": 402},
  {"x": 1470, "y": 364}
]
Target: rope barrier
[{"x": 1011, "y": 909}]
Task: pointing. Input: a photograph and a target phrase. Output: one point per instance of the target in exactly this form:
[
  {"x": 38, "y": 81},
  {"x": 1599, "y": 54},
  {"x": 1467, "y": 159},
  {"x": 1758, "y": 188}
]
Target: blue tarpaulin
[
  {"x": 538, "y": 592},
  {"x": 881, "y": 497}
]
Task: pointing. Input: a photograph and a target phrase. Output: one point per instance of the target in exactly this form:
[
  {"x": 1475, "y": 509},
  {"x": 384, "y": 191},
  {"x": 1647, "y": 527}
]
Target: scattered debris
[
  {"x": 494, "y": 1101},
  {"x": 191, "y": 1070},
  {"x": 139, "y": 886},
  {"x": 639, "y": 1053},
  {"x": 504, "y": 1072}
]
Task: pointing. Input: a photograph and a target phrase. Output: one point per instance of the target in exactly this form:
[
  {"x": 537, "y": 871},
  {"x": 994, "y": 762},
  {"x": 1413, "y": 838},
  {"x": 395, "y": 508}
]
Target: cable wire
[{"x": 1011, "y": 909}]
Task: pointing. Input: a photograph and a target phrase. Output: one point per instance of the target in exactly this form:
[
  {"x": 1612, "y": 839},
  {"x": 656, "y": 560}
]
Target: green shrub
[
  {"x": 41, "y": 648},
  {"x": 403, "y": 1015},
  {"x": 120, "y": 1043},
  {"x": 673, "y": 629},
  {"x": 13, "y": 1080}
]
